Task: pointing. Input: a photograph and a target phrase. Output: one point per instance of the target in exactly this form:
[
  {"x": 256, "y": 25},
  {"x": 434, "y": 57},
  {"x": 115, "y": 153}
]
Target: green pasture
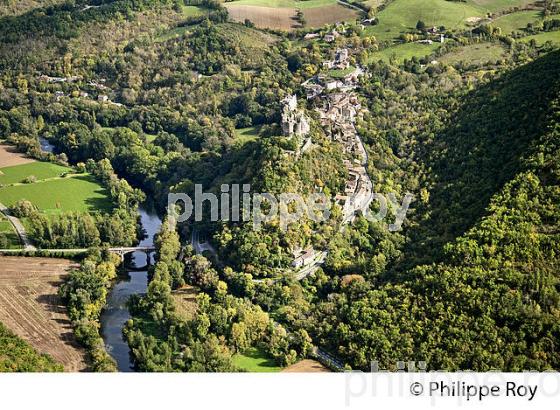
[{"x": 254, "y": 360}]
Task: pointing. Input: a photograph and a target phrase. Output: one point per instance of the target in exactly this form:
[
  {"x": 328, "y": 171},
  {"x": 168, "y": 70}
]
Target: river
[
  {"x": 46, "y": 146},
  {"x": 116, "y": 314}
]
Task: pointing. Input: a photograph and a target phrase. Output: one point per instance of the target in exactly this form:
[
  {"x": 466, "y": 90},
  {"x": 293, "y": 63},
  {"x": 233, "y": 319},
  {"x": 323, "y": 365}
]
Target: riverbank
[{"x": 129, "y": 282}]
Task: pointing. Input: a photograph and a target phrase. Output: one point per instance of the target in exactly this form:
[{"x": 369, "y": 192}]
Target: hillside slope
[{"x": 493, "y": 300}]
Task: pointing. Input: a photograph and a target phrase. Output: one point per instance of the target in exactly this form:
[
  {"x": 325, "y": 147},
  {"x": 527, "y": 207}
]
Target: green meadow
[
  {"x": 402, "y": 15},
  {"x": 498, "y": 5},
  {"x": 475, "y": 54},
  {"x": 244, "y": 135},
  {"x": 341, "y": 73},
  {"x": 12, "y": 239},
  {"x": 51, "y": 192},
  {"x": 553, "y": 36},
  {"x": 254, "y": 360},
  {"x": 517, "y": 21},
  {"x": 40, "y": 170},
  {"x": 405, "y": 51}
]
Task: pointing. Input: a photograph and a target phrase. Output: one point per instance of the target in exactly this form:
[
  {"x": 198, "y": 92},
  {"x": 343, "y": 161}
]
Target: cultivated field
[
  {"x": 319, "y": 16},
  {"x": 30, "y": 307},
  {"x": 9, "y": 157},
  {"x": 280, "y": 14},
  {"x": 306, "y": 366},
  {"x": 263, "y": 17}
]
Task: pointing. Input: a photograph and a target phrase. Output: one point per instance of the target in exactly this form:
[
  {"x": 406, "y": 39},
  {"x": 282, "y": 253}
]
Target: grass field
[
  {"x": 52, "y": 193},
  {"x": 30, "y": 307},
  {"x": 517, "y": 21},
  {"x": 402, "y": 15},
  {"x": 78, "y": 193},
  {"x": 403, "y": 52},
  {"x": 244, "y": 135},
  {"x": 553, "y": 36},
  {"x": 341, "y": 73},
  {"x": 255, "y": 361},
  {"x": 475, "y": 54},
  {"x": 7, "y": 229},
  {"x": 41, "y": 170},
  {"x": 497, "y": 5},
  {"x": 188, "y": 11}
]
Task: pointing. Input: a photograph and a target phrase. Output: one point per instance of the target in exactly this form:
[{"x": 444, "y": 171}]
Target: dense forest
[
  {"x": 471, "y": 282},
  {"x": 476, "y": 282}
]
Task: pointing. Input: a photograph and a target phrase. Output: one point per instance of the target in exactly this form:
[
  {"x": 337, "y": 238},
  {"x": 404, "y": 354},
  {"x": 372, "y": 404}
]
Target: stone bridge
[{"x": 121, "y": 251}]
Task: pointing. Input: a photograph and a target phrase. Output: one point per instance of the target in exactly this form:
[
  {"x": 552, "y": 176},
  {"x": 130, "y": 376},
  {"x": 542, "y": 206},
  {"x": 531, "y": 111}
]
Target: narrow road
[{"x": 18, "y": 226}]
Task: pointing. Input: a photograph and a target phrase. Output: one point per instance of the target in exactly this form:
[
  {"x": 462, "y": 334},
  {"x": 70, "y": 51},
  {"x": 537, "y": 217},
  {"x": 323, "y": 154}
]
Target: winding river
[{"x": 116, "y": 314}]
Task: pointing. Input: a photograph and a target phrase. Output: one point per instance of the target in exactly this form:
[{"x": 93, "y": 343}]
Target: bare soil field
[
  {"x": 30, "y": 307},
  {"x": 10, "y": 157},
  {"x": 306, "y": 366},
  {"x": 319, "y": 16},
  {"x": 264, "y": 17}
]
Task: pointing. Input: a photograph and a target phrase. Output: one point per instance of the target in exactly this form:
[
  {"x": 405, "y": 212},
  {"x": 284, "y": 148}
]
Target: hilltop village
[{"x": 338, "y": 107}]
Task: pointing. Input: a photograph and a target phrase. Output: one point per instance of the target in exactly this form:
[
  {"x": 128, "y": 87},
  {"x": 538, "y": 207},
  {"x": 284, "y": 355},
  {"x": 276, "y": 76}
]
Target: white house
[{"x": 304, "y": 259}]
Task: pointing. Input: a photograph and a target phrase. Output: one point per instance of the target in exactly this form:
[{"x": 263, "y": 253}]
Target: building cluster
[
  {"x": 436, "y": 36},
  {"x": 49, "y": 79},
  {"x": 339, "y": 108},
  {"x": 294, "y": 121},
  {"x": 102, "y": 98},
  {"x": 337, "y": 113},
  {"x": 316, "y": 86},
  {"x": 341, "y": 60}
]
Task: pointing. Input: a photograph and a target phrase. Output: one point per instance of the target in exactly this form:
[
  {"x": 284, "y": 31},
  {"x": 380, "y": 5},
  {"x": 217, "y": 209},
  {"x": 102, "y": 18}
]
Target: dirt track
[{"x": 30, "y": 307}]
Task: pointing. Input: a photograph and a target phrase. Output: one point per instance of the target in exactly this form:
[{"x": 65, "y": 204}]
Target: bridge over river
[{"x": 121, "y": 251}]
